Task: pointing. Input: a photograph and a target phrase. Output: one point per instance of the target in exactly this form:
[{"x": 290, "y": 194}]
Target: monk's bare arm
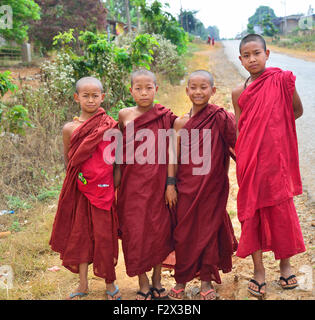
[
  {"x": 297, "y": 105},
  {"x": 237, "y": 110},
  {"x": 171, "y": 193},
  {"x": 121, "y": 119},
  {"x": 67, "y": 131}
]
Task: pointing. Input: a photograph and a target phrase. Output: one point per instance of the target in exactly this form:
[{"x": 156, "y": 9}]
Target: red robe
[
  {"x": 204, "y": 236},
  {"x": 81, "y": 231},
  {"x": 266, "y": 149},
  {"x": 144, "y": 218},
  {"x": 267, "y": 166}
]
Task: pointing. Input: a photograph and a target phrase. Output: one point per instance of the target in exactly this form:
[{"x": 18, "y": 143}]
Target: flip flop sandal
[
  {"x": 112, "y": 294},
  {"x": 177, "y": 292},
  {"x": 256, "y": 293},
  {"x": 288, "y": 286},
  {"x": 204, "y": 294},
  {"x": 145, "y": 295},
  {"x": 77, "y": 294},
  {"x": 158, "y": 291}
]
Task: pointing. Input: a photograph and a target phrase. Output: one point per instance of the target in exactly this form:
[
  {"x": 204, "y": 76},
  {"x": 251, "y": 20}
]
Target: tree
[
  {"x": 214, "y": 32},
  {"x": 269, "y": 28},
  {"x": 260, "y": 14},
  {"x": 188, "y": 20},
  {"x": 61, "y": 15},
  {"x": 24, "y": 11},
  {"x": 250, "y": 28},
  {"x": 157, "y": 21}
]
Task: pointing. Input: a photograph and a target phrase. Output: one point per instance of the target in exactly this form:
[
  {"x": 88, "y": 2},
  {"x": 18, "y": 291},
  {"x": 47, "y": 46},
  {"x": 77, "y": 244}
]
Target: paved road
[{"x": 305, "y": 84}]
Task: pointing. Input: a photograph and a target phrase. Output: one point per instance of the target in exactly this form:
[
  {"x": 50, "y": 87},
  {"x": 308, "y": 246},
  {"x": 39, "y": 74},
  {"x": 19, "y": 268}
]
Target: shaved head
[
  {"x": 252, "y": 37},
  {"x": 88, "y": 80},
  {"x": 143, "y": 72},
  {"x": 202, "y": 73}
]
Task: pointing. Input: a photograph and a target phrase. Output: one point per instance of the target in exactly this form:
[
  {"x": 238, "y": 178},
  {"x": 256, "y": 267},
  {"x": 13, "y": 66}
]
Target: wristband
[{"x": 171, "y": 181}]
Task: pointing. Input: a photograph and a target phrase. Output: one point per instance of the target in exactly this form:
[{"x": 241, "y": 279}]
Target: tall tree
[
  {"x": 260, "y": 14},
  {"x": 24, "y": 12},
  {"x": 61, "y": 15}
]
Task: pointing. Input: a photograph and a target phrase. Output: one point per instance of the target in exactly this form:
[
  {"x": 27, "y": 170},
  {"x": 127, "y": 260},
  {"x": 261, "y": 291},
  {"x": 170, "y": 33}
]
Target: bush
[
  {"x": 108, "y": 62},
  {"x": 166, "y": 62}
]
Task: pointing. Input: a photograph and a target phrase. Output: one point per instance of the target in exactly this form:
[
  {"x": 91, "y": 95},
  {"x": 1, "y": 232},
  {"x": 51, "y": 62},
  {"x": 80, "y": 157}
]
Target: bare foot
[
  {"x": 178, "y": 292},
  {"x": 207, "y": 291},
  {"x": 157, "y": 290},
  {"x": 112, "y": 292},
  {"x": 80, "y": 292},
  {"x": 286, "y": 273},
  {"x": 259, "y": 277}
]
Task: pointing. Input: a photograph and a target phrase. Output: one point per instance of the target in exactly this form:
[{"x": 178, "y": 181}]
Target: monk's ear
[
  {"x": 76, "y": 97},
  {"x": 103, "y": 96},
  {"x": 267, "y": 53},
  {"x": 156, "y": 88},
  {"x": 187, "y": 91},
  {"x": 213, "y": 91},
  {"x": 240, "y": 57}
]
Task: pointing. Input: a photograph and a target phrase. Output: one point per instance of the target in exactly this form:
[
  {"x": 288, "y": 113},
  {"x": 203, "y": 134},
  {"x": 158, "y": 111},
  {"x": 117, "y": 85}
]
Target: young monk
[
  {"x": 266, "y": 108},
  {"x": 85, "y": 228},
  {"x": 144, "y": 219},
  {"x": 203, "y": 235}
]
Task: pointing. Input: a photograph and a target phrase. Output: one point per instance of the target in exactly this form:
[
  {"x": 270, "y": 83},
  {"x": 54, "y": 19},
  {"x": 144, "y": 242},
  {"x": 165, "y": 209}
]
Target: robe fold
[
  {"x": 203, "y": 235},
  {"x": 266, "y": 149},
  {"x": 144, "y": 218},
  {"x": 85, "y": 227}
]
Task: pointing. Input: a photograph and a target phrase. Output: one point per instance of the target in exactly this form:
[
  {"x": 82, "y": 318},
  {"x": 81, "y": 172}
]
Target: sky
[{"x": 231, "y": 16}]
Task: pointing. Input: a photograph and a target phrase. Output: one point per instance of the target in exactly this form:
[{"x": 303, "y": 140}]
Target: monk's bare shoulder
[
  {"x": 69, "y": 128},
  {"x": 237, "y": 91},
  {"x": 180, "y": 122},
  {"x": 125, "y": 115}
]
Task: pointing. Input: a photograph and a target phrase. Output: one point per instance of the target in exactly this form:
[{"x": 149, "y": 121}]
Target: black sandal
[
  {"x": 256, "y": 293},
  {"x": 158, "y": 291},
  {"x": 288, "y": 286},
  {"x": 145, "y": 295}
]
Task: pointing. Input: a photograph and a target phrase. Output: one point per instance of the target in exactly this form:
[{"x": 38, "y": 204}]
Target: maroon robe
[
  {"x": 83, "y": 233},
  {"x": 204, "y": 236},
  {"x": 144, "y": 218}
]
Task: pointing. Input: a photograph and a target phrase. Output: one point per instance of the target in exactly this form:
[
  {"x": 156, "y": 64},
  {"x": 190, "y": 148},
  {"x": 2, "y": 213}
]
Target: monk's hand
[{"x": 171, "y": 196}]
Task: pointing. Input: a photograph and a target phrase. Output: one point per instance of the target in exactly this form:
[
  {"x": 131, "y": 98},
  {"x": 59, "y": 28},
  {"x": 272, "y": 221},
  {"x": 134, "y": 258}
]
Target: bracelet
[{"x": 171, "y": 181}]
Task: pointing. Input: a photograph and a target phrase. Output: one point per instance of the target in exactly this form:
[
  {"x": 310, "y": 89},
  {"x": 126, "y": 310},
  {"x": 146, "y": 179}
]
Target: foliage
[
  {"x": 12, "y": 119},
  {"x": 24, "y": 11},
  {"x": 214, "y": 32},
  {"x": 299, "y": 39},
  {"x": 191, "y": 24},
  {"x": 166, "y": 61},
  {"x": 62, "y": 15},
  {"x": 156, "y": 21},
  {"x": 268, "y": 27},
  {"x": 250, "y": 28},
  {"x": 260, "y": 14},
  {"x": 108, "y": 62}
]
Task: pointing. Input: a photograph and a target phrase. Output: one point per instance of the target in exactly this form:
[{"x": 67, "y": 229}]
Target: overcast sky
[{"x": 231, "y": 16}]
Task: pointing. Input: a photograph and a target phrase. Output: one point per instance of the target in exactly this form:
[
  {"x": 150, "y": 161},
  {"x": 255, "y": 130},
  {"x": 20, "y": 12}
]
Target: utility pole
[{"x": 284, "y": 2}]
